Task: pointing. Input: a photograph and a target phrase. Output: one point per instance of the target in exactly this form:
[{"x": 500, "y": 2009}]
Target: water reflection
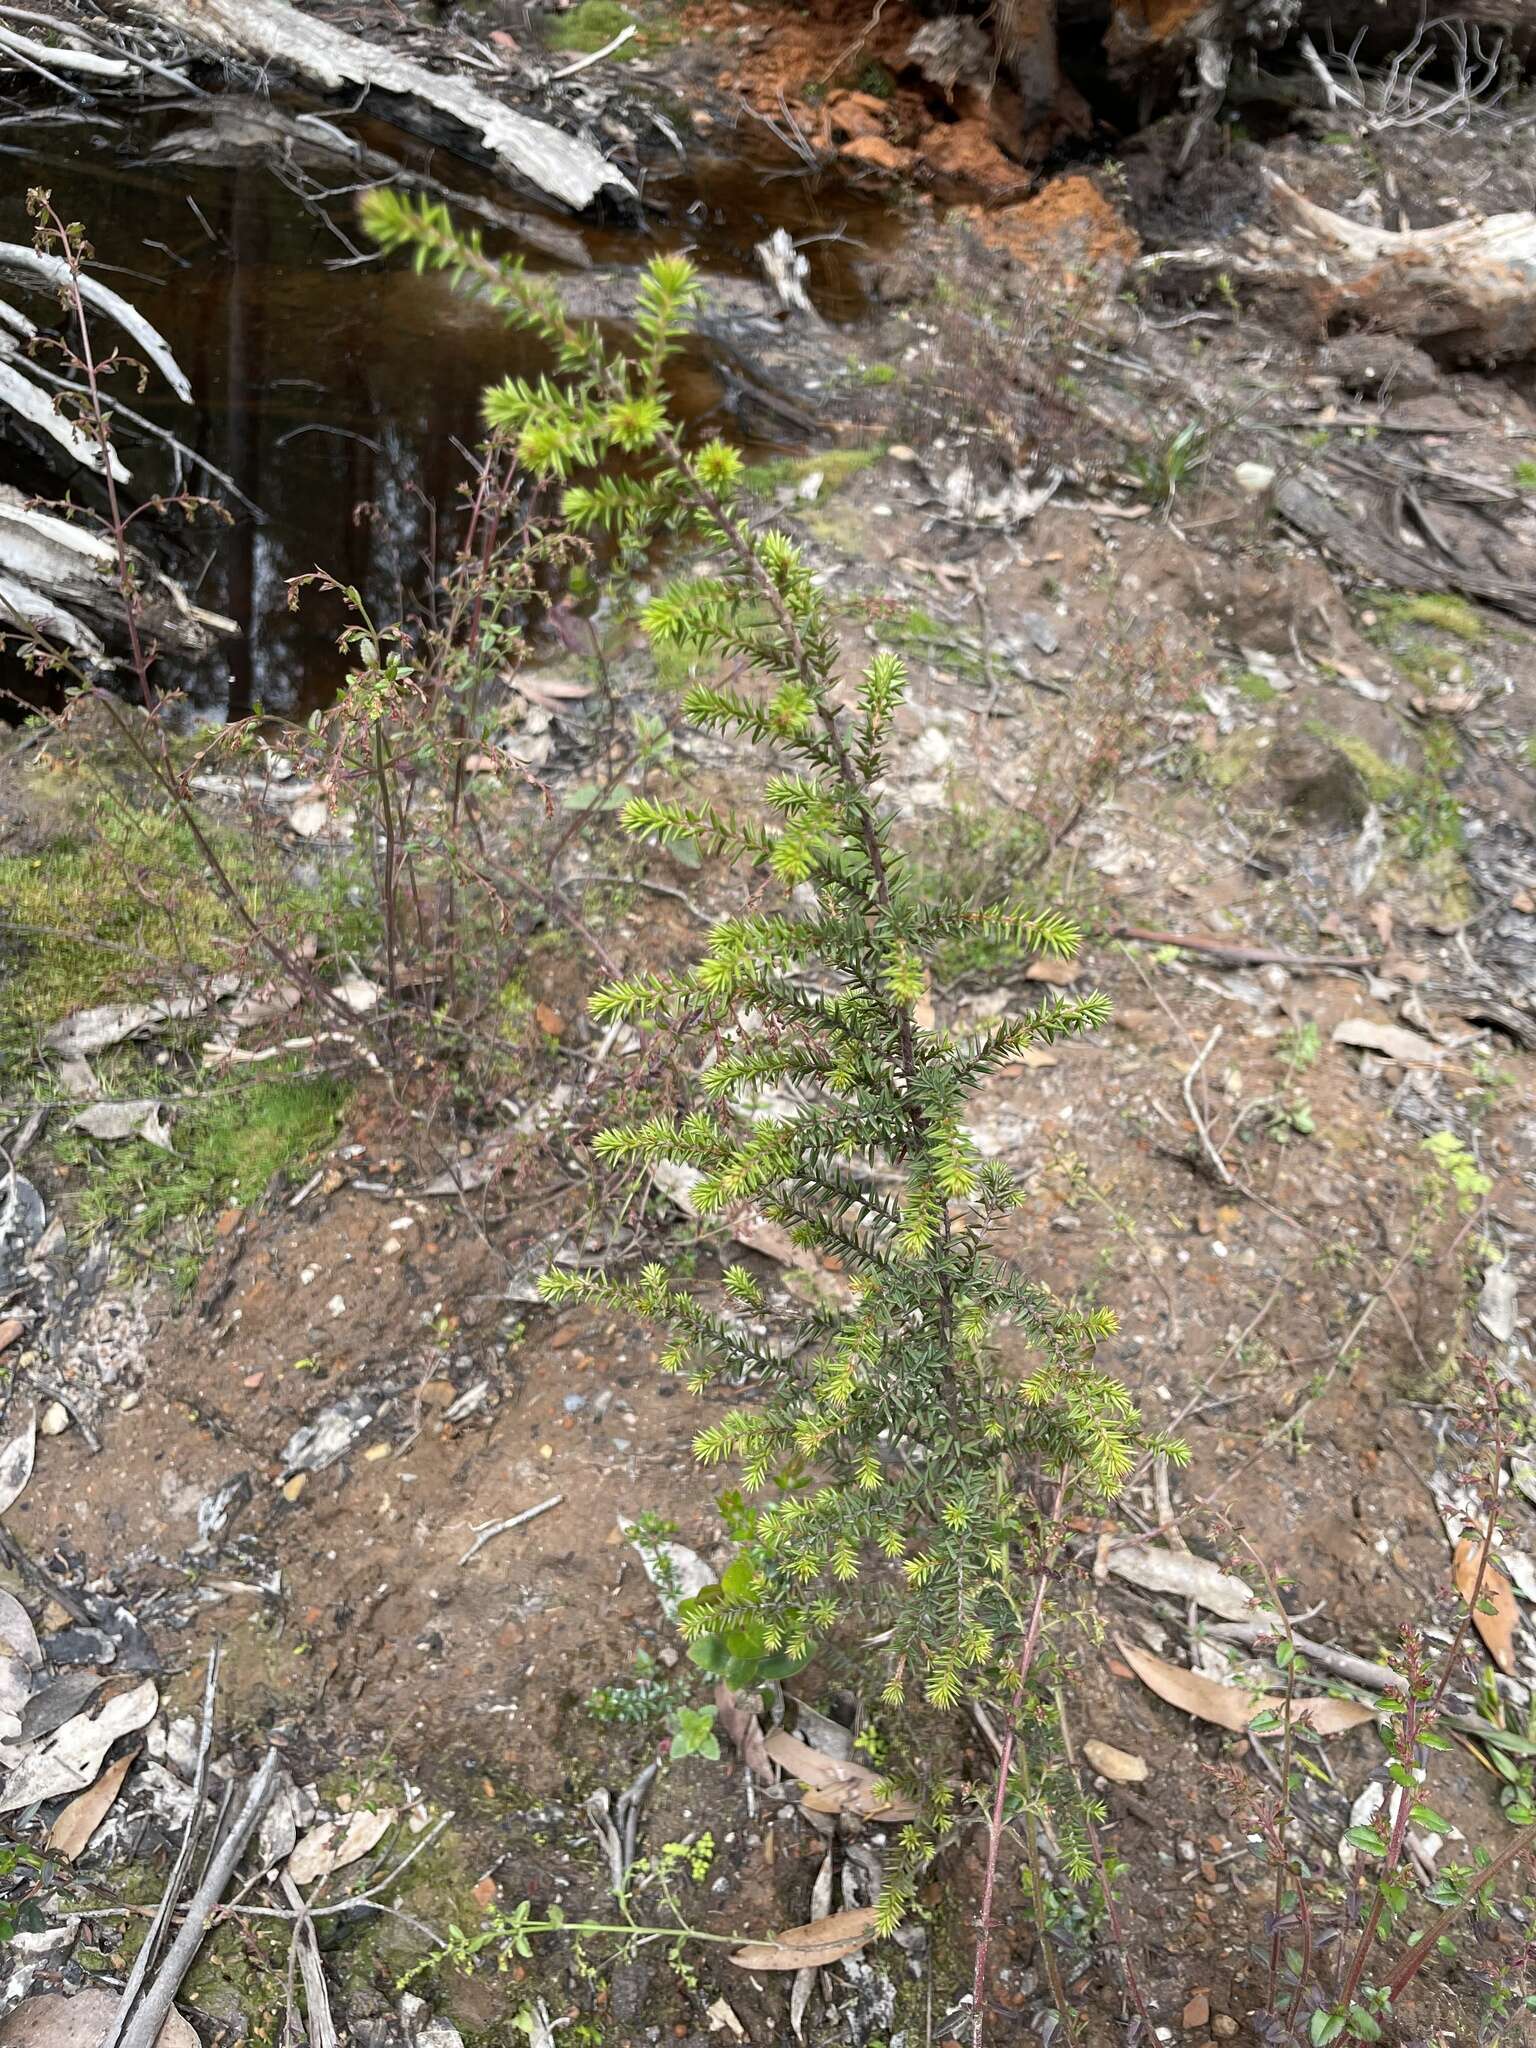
[{"x": 340, "y": 397}]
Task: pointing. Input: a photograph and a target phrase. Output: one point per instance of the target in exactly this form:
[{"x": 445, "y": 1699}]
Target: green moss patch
[
  {"x": 225, "y": 1148},
  {"x": 589, "y": 26},
  {"x": 100, "y": 917},
  {"x": 835, "y": 466},
  {"x": 1441, "y": 612}
]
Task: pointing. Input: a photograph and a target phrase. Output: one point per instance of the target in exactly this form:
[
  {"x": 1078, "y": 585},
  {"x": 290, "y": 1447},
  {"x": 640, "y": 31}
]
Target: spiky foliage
[{"x": 899, "y": 1457}]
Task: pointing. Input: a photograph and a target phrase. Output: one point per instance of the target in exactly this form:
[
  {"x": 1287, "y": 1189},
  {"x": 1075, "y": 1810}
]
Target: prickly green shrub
[{"x": 898, "y": 1461}]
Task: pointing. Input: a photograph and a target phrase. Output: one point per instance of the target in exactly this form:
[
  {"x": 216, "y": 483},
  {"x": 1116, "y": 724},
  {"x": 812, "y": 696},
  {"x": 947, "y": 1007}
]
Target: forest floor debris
[{"x": 1316, "y": 1062}]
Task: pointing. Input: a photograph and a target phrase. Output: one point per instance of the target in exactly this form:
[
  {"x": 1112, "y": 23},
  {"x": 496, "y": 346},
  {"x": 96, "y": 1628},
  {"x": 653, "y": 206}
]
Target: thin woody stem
[{"x": 1026, "y": 1659}]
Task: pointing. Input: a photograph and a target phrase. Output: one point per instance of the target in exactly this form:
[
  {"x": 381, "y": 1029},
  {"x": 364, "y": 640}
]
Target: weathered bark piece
[{"x": 272, "y": 32}]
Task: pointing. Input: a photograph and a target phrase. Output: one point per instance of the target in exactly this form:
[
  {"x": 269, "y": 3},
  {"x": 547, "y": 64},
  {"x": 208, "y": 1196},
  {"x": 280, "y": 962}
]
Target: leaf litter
[
  {"x": 69, "y": 1759},
  {"x": 1235, "y": 1706},
  {"x": 1496, "y": 1617},
  {"x": 70, "y": 1835},
  {"x": 336, "y": 1843},
  {"x": 805, "y": 1979},
  {"x": 1182, "y": 1573},
  {"x": 836, "y": 1786},
  {"x": 812, "y": 1945}
]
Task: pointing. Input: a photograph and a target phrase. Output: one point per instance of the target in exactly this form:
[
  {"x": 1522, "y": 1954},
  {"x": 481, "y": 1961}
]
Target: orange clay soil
[
  {"x": 1069, "y": 228},
  {"x": 816, "y": 64}
]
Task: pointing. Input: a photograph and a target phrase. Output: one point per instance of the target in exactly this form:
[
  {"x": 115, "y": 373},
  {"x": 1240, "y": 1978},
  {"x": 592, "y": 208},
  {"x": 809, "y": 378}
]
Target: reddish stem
[{"x": 1004, "y": 1768}]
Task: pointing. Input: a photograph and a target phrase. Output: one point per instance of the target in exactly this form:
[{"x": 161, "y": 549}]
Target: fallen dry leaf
[
  {"x": 1392, "y": 1041},
  {"x": 17, "y": 1635},
  {"x": 812, "y": 1946},
  {"x": 1118, "y": 1765},
  {"x": 836, "y": 1787},
  {"x": 51, "y": 2020},
  {"x": 335, "y": 1844},
  {"x": 722, "y": 2019},
  {"x": 550, "y": 692},
  {"x": 1497, "y": 1629},
  {"x": 69, "y": 1759},
  {"x": 1325, "y": 1716},
  {"x": 484, "y": 1893},
  {"x": 1233, "y": 1706},
  {"x": 805, "y": 1979},
  {"x": 1229, "y": 1706},
  {"x": 71, "y": 1833}
]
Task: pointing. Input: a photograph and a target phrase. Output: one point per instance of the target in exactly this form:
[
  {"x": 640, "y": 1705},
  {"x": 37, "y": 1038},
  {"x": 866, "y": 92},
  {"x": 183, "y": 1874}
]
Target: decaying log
[
  {"x": 272, "y": 32},
  {"x": 19, "y": 395},
  {"x": 58, "y": 579},
  {"x": 1466, "y": 292},
  {"x": 1469, "y": 288},
  {"x": 1393, "y": 24},
  {"x": 51, "y": 272}
]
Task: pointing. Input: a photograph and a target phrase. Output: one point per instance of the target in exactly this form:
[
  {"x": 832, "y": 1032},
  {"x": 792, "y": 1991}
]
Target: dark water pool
[{"x": 325, "y": 385}]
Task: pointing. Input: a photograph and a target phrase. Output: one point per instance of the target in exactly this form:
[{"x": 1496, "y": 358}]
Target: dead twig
[
  {"x": 320, "y": 2027},
  {"x": 1167, "y": 1521},
  {"x": 1241, "y": 956},
  {"x": 171, "y": 1897},
  {"x": 595, "y": 56},
  {"x": 1207, "y": 1144},
  {"x": 487, "y": 1532},
  {"x": 143, "y": 2028}
]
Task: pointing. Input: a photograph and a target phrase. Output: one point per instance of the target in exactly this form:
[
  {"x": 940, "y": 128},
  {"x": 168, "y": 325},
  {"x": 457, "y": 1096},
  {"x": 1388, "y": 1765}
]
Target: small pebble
[{"x": 54, "y": 1419}]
